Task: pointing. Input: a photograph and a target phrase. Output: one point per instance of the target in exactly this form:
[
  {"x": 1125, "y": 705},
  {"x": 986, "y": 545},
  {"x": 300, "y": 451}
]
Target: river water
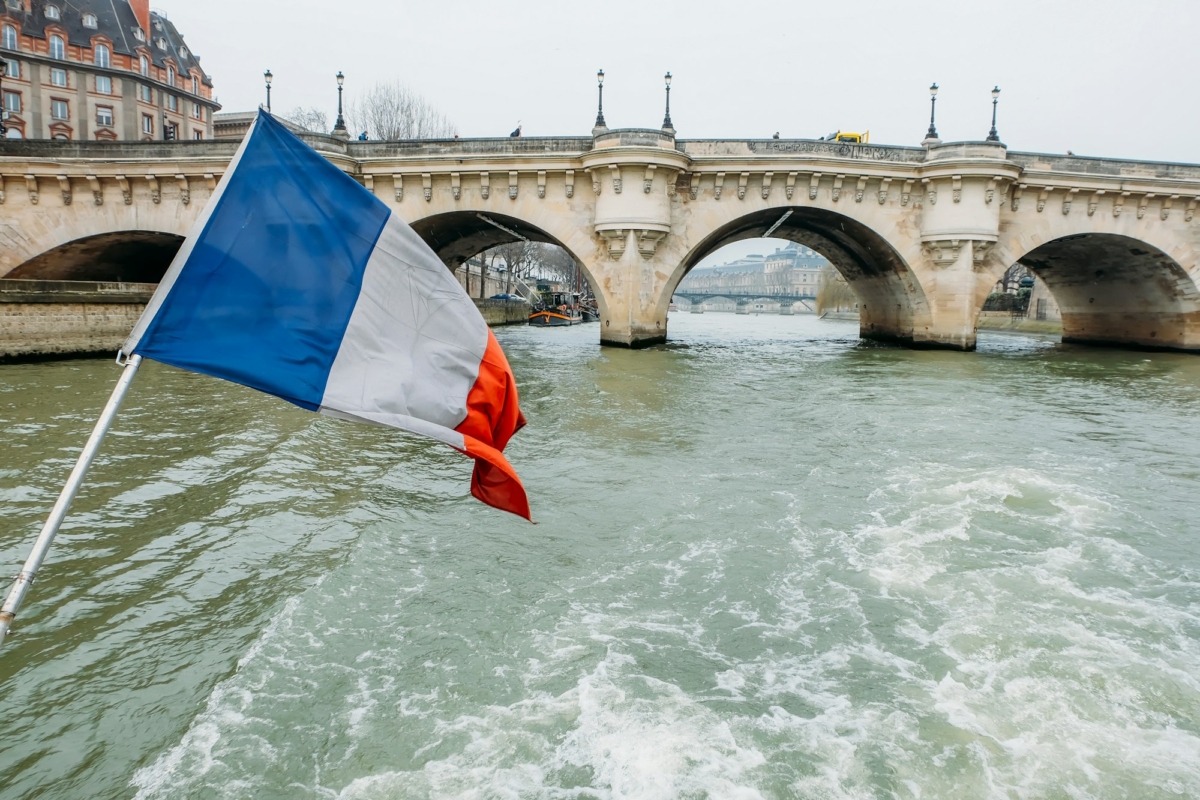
[{"x": 772, "y": 561}]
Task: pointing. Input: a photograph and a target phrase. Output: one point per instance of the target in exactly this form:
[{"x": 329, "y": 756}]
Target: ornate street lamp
[
  {"x": 992, "y": 135},
  {"x": 267, "y": 77},
  {"x": 340, "y": 126},
  {"x": 3, "y": 111},
  {"x": 600, "y": 107},
  {"x": 667, "y": 126},
  {"x": 932, "y": 132}
]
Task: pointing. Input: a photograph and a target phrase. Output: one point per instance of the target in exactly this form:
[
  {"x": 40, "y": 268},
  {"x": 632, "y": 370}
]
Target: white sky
[{"x": 1099, "y": 77}]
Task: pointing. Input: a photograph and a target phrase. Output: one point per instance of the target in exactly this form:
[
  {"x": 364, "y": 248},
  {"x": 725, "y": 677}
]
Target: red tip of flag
[{"x": 493, "y": 416}]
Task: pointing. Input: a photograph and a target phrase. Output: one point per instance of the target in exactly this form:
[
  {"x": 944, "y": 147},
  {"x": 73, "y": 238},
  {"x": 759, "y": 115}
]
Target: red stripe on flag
[{"x": 493, "y": 416}]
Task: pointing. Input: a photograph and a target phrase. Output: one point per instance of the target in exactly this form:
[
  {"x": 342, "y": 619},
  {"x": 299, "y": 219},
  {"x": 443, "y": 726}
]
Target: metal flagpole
[{"x": 46, "y": 537}]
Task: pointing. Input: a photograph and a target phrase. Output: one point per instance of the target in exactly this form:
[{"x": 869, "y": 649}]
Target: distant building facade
[
  {"x": 100, "y": 70},
  {"x": 793, "y": 270}
]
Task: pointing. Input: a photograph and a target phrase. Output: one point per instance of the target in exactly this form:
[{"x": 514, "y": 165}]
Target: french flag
[{"x": 300, "y": 283}]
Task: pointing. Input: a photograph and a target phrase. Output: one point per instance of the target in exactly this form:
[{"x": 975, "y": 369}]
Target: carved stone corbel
[
  {"x": 97, "y": 192},
  {"x": 766, "y": 184},
  {"x": 570, "y": 181},
  {"x": 456, "y": 185},
  {"x": 427, "y": 185},
  {"x": 990, "y": 192},
  {"x": 64, "y": 186},
  {"x": 837, "y": 186},
  {"x": 1145, "y": 201},
  {"x": 32, "y": 189},
  {"x": 790, "y": 187},
  {"x": 1094, "y": 201},
  {"x": 694, "y": 191},
  {"x": 155, "y": 191},
  {"x": 1190, "y": 211},
  {"x": 485, "y": 185},
  {"x": 595, "y": 176},
  {"x": 943, "y": 252},
  {"x": 979, "y": 251},
  {"x": 1, "y": 190},
  {"x": 906, "y": 194},
  {"x": 615, "y": 172},
  {"x": 615, "y": 241},
  {"x": 126, "y": 191},
  {"x": 813, "y": 183},
  {"x": 398, "y": 186},
  {"x": 369, "y": 182},
  {"x": 648, "y": 242},
  {"x": 1067, "y": 200},
  {"x": 210, "y": 180},
  {"x": 541, "y": 178},
  {"x": 882, "y": 194},
  {"x": 185, "y": 193},
  {"x": 860, "y": 189},
  {"x": 718, "y": 185},
  {"x": 743, "y": 179},
  {"x": 1018, "y": 190},
  {"x": 1166, "y": 206},
  {"x": 956, "y": 187},
  {"x": 1119, "y": 203},
  {"x": 1042, "y": 196},
  {"x": 648, "y": 178},
  {"x": 930, "y": 191}
]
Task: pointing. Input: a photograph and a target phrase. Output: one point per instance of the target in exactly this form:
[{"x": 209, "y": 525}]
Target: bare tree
[
  {"x": 310, "y": 119},
  {"x": 393, "y": 111},
  {"x": 833, "y": 292}
]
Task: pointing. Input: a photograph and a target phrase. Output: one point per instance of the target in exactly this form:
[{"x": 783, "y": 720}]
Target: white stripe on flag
[{"x": 414, "y": 341}]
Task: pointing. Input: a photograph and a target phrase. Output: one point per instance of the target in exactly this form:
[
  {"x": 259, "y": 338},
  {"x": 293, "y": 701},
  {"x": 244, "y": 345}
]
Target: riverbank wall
[{"x": 61, "y": 319}]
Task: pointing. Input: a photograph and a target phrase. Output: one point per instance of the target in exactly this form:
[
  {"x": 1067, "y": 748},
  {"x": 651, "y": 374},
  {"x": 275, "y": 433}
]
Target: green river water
[{"x": 772, "y": 561}]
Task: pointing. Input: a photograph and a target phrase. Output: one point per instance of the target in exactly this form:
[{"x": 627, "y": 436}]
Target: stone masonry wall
[{"x": 55, "y": 329}]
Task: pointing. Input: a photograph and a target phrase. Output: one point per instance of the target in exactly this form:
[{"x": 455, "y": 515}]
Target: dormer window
[
  {"x": 183, "y": 52},
  {"x": 139, "y": 34},
  {"x": 161, "y": 43},
  {"x": 158, "y": 25},
  {"x": 89, "y": 21},
  {"x": 52, "y": 12}
]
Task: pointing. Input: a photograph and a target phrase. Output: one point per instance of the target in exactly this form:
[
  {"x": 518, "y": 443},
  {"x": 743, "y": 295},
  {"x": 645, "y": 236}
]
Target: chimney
[{"x": 141, "y": 10}]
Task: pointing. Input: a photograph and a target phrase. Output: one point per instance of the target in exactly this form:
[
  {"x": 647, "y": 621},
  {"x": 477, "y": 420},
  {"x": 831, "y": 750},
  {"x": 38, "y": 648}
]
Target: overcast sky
[{"x": 1098, "y": 77}]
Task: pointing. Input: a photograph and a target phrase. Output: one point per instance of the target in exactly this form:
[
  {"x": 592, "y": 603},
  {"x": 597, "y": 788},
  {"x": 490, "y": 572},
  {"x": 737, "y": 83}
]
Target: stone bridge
[{"x": 920, "y": 233}]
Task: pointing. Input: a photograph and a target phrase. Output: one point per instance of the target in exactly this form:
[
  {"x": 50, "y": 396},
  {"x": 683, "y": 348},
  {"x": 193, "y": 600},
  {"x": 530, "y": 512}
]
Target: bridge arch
[
  {"x": 892, "y": 302},
  {"x": 1115, "y": 289},
  {"x": 137, "y": 256},
  {"x": 456, "y": 236}
]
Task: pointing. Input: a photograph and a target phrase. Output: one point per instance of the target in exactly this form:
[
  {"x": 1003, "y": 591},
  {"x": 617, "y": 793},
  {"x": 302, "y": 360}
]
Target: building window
[
  {"x": 198, "y": 135},
  {"x": 147, "y": 124},
  {"x": 144, "y": 65},
  {"x": 147, "y": 95},
  {"x": 196, "y": 112},
  {"x": 103, "y": 84},
  {"x": 161, "y": 43},
  {"x": 172, "y": 102},
  {"x": 171, "y": 75},
  {"x": 195, "y": 85},
  {"x": 102, "y": 56},
  {"x": 59, "y": 110},
  {"x": 104, "y": 116},
  {"x": 170, "y": 131},
  {"x": 139, "y": 34},
  {"x": 12, "y": 102},
  {"x": 52, "y": 12},
  {"x": 10, "y": 37},
  {"x": 58, "y": 48},
  {"x": 182, "y": 52},
  {"x": 13, "y": 70},
  {"x": 89, "y": 20},
  {"x": 58, "y": 77}
]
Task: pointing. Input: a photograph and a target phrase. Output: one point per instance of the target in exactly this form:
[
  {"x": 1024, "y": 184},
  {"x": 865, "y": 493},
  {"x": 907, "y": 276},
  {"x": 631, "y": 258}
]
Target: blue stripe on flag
[{"x": 267, "y": 292}]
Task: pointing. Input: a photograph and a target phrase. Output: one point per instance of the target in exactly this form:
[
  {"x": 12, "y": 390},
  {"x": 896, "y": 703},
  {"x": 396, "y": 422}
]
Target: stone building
[
  {"x": 100, "y": 70},
  {"x": 793, "y": 270}
]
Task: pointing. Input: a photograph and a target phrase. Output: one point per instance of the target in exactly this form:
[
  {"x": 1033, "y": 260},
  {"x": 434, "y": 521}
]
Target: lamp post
[
  {"x": 3, "y": 110},
  {"x": 992, "y": 135},
  {"x": 339, "y": 128},
  {"x": 932, "y": 132},
  {"x": 267, "y": 77},
  {"x": 667, "y": 126},
  {"x": 600, "y": 124}
]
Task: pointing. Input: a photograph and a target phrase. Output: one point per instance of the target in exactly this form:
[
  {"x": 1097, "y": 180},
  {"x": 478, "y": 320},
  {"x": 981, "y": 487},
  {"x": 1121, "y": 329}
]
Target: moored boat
[{"x": 556, "y": 309}]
